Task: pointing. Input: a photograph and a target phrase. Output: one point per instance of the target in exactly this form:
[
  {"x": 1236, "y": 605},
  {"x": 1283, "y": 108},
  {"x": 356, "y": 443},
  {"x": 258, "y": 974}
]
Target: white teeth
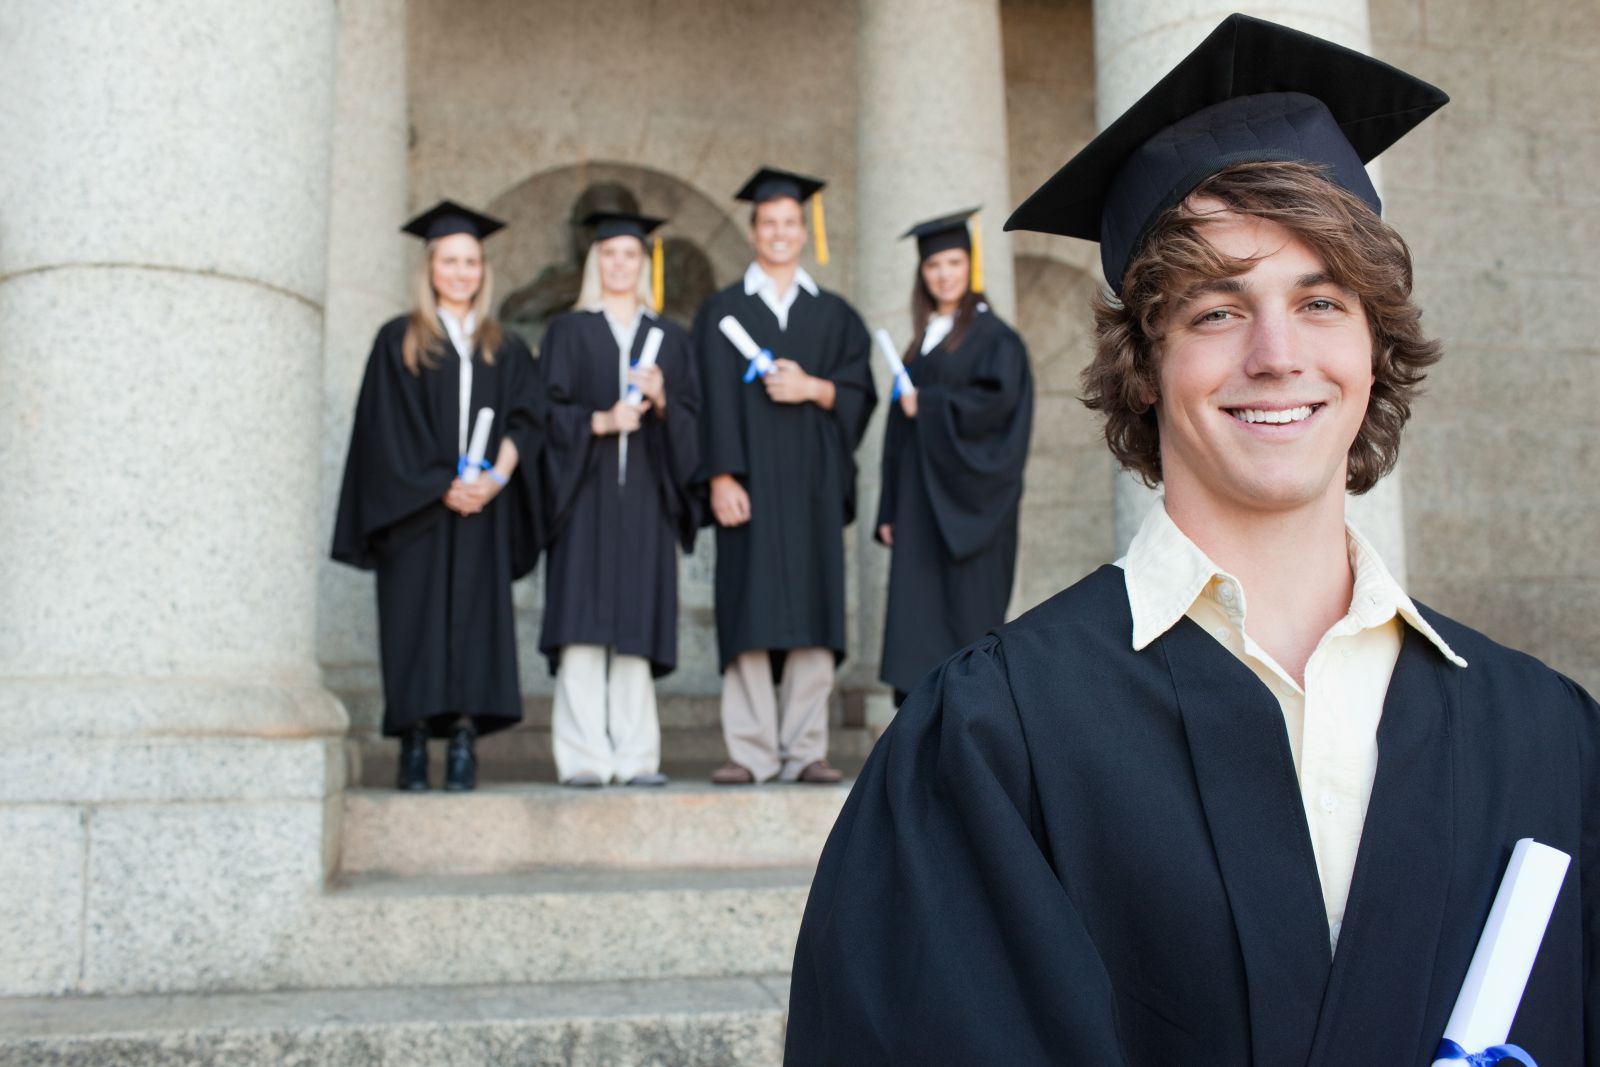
[{"x": 1279, "y": 417}]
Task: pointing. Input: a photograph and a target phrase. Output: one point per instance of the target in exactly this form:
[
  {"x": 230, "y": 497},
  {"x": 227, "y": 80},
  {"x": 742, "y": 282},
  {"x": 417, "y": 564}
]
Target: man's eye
[
  {"x": 1216, "y": 315},
  {"x": 1322, "y": 304}
]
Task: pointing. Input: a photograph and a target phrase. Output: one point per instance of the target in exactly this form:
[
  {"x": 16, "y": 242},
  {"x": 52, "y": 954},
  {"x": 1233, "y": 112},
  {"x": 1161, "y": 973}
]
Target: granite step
[
  {"x": 709, "y": 1022},
  {"x": 550, "y": 925},
  {"x": 506, "y": 828}
]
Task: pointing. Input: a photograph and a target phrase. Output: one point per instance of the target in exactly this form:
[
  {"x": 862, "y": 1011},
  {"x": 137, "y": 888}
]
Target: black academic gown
[
  {"x": 1063, "y": 851},
  {"x": 445, "y": 624},
  {"x": 952, "y": 482},
  {"x": 611, "y": 576},
  {"x": 780, "y": 577}
]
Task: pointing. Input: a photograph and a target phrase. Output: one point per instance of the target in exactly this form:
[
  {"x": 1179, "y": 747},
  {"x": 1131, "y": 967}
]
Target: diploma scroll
[
  {"x": 473, "y": 463},
  {"x": 902, "y": 380},
  {"x": 647, "y": 358},
  {"x": 759, "y": 358},
  {"x": 1498, "y": 974}
]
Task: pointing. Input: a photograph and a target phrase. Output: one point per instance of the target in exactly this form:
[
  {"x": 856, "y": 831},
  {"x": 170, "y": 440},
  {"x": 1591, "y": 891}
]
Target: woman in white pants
[{"x": 622, "y": 446}]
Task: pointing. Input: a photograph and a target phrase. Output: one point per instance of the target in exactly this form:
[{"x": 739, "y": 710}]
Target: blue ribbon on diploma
[
  {"x": 1450, "y": 1051},
  {"x": 902, "y": 383},
  {"x": 634, "y": 396},
  {"x": 759, "y": 367},
  {"x": 463, "y": 463}
]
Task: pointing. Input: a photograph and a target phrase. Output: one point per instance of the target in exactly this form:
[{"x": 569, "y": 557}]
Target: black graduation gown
[
  {"x": 780, "y": 577},
  {"x": 952, "y": 482},
  {"x": 445, "y": 625},
  {"x": 1064, "y": 851},
  {"x": 611, "y": 576}
]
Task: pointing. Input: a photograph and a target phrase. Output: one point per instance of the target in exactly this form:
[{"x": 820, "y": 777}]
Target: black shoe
[
  {"x": 413, "y": 776},
  {"x": 461, "y": 765}
]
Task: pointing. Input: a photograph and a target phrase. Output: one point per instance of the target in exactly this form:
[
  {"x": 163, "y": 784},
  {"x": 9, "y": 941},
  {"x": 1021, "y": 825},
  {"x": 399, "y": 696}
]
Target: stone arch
[{"x": 539, "y": 260}]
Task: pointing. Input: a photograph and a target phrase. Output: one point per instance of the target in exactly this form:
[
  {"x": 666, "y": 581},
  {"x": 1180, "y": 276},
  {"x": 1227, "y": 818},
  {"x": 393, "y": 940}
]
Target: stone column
[
  {"x": 931, "y": 139},
  {"x": 170, "y": 753},
  {"x": 1135, "y": 43},
  {"x": 368, "y": 274}
]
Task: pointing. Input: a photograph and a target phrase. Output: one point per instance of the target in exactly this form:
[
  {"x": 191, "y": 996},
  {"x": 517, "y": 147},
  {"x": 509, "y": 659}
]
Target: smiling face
[
  {"x": 947, "y": 275},
  {"x": 621, "y": 260},
  {"x": 455, "y": 267},
  {"x": 1264, "y": 377},
  {"x": 778, "y": 232}
]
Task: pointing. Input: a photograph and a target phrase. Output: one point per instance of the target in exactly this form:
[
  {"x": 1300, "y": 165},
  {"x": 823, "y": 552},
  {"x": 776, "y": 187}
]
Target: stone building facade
[{"x": 198, "y": 218}]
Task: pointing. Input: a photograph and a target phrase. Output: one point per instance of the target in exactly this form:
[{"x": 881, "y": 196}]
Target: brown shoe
[
  {"x": 819, "y": 773},
  {"x": 731, "y": 773}
]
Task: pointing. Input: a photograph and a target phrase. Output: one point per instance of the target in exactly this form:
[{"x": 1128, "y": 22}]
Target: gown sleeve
[
  {"x": 893, "y": 432},
  {"x": 524, "y": 424},
  {"x": 854, "y": 397},
  {"x": 394, "y": 469},
  {"x": 722, "y": 443},
  {"x": 680, "y": 437},
  {"x": 569, "y": 440},
  {"x": 937, "y": 930},
  {"x": 973, "y": 440},
  {"x": 1588, "y": 731}
]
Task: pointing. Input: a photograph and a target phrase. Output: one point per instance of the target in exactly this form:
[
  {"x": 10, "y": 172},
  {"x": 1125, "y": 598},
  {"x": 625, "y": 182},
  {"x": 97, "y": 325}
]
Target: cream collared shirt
[
  {"x": 1333, "y": 721},
  {"x": 758, "y": 282}
]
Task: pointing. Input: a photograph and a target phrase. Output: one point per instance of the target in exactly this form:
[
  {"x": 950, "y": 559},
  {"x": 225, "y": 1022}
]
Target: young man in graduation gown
[
  {"x": 1237, "y": 799},
  {"x": 446, "y": 544},
  {"x": 953, "y": 453},
  {"x": 778, "y": 453}
]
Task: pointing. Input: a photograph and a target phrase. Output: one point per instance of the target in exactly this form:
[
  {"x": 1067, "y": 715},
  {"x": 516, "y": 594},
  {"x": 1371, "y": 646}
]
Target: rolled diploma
[
  {"x": 741, "y": 339},
  {"x": 1499, "y": 970},
  {"x": 902, "y": 380},
  {"x": 480, "y": 443},
  {"x": 647, "y": 358}
]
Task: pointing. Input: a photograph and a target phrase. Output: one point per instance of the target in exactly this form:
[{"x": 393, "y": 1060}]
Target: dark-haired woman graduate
[
  {"x": 622, "y": 443},
  {"x": 952, "y": 461},
  {"x": 446, "y": 535}
]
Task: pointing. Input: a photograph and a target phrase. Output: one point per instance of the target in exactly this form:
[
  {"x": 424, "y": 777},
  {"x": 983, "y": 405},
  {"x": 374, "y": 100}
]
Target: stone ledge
[
  {"x": 523, "y": 827},
  {"x": 704, "y": 1021}
]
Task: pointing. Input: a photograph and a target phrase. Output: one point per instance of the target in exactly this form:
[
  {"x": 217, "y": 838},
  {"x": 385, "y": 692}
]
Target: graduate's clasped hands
[
  {"x": 788, "y": 383},
  {"x": 465, "y": 499}
]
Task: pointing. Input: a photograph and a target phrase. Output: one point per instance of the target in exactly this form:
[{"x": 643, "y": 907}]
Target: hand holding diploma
[
  {"x": 760, "y": 360},
  {"x": 469, "y": 466},
  {"x": 897, "y": 369},
  {"x": 1492, "y": 990},
  {"x": 644, "y": 377}
]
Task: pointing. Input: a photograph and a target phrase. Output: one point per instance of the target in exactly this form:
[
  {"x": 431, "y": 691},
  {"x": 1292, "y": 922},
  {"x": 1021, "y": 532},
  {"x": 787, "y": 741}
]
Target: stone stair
[{"x": 520, "y": 924}]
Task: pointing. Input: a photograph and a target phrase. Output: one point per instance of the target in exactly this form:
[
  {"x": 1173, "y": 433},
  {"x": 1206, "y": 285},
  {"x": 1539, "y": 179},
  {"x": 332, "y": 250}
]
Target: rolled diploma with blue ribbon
[
  {"x": 472, "y": 465},
  {"x": 1499, "y": 971},
  {"x": 647, "y": 358},
  {"x": 902, "y": 380},
  {"x": 759, "y": 358}
]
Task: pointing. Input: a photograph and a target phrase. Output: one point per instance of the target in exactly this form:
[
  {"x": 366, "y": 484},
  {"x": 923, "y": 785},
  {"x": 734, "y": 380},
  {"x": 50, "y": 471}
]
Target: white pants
[
  {"x": 604, "y": 720},
  {"x": 777, "y": 733}
]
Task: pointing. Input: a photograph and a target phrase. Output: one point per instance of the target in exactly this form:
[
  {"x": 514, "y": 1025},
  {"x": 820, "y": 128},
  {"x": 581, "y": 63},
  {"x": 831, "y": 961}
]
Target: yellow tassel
[
  {"x": 818, "y": 224},
  {"x": 658, "y": 277},
  {"x": 977, "y": 255}
]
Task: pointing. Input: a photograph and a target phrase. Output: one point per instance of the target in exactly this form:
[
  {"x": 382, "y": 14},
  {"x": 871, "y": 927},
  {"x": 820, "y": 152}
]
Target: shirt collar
[
  {"x": 756, "y": 279},
  {"x": 1165, "y": 572},
  {"x": 460, "y": 331}
]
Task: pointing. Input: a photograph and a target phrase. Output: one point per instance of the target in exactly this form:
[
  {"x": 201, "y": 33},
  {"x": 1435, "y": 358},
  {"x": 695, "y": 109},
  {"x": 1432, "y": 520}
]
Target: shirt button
[
  {"x": 1345, "y": 652},
  {"x": 1225, "y": 593},
  {"x": 1328, "y": 801}
]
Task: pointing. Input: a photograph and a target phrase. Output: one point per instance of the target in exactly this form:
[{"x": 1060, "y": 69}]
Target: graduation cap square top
[
  {"x": 609, "y": 224},
  {"x": 942, "y": 234},
  {"x": 448, "y": 217},
  {"x": 1251, "y": 91}
]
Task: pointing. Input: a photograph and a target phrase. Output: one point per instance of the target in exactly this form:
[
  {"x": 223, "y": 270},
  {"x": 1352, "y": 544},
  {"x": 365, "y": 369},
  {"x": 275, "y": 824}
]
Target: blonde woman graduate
[
  {"x": 954, "y": 449},
  {"x": 446, "y": 534},
  {"x": 622, "y": 444}
]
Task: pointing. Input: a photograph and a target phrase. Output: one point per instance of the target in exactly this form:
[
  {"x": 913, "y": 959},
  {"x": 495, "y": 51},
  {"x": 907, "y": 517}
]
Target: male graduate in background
[
  {"x": 778, "y": 452},
  {"x": 1236, "y": 799}
]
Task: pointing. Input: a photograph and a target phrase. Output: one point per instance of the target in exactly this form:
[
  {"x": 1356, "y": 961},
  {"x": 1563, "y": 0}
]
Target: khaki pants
[
  {"x": 604, "y": 720},
  {"x": 777, "y": 733}
]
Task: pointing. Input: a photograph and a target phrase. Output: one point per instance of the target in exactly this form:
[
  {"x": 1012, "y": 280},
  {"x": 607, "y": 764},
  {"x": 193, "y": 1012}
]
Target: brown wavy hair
[{"x": 1361, "y": 252}]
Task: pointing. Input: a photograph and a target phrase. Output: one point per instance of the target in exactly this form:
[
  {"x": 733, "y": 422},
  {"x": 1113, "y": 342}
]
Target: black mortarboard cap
[
  {"x": 448, "y": 217},
  {"x": 609, "y": 224},
  {"x": 769, "y": 183},
  {"x": 941, "y": 234},
  {"x": 1252, "y": 90}
]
